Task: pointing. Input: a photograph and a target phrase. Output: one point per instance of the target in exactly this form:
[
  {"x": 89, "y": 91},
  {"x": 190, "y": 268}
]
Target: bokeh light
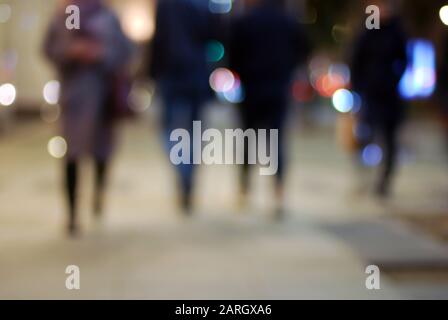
[
  {"x": 227, "y": 86},
  {"x": 7, "y": 94},
  {"x": 140, "y": 98},
  {"x": 222, "y": 80},
  {"x": 372, "y": 155},
  {"x": 318, "y": 67},
  {"x": 220, "y": 6},
  {"x": 57, "y": 147},
  {"x": 51, "y": 92},
  {"x": 341, "y": 70},
  {"x": 327, "y": 77},
  {"x": 443, "y": 13},
  {"x": 138, "y": 21},
  {"x": 343, "y": 100},
  {"x": 419, "y": 79},
  {"x": 215, "y": 51},
  {"x": 235, "y": 94}
]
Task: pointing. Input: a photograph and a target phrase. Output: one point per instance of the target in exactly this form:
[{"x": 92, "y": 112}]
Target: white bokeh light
[
  {"x": 138, "y": 21},
  {"x": 51, "y": 92},
  {"x": 7, "y": 94},
  {"x": 222, "y": 80},
  {"x": 343, "y": 100},
  {"x": 443, "y": 13},
  {"x": 57, "y": 147}
]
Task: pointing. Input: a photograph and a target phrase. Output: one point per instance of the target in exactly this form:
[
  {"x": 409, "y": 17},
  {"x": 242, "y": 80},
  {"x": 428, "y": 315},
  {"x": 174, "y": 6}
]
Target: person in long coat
[{"x": 86, "y": 60}]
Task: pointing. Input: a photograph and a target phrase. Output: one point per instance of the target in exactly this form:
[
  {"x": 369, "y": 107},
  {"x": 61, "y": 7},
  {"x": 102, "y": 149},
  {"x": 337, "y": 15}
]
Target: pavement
[{"x": 144, "y": 249}]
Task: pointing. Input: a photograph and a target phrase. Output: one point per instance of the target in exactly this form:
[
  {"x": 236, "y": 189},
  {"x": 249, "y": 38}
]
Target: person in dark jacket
[
  {"x": 378, "y": 64},
  {"x": 179, "y": 67},
  {"x": 266, "y": 46}
]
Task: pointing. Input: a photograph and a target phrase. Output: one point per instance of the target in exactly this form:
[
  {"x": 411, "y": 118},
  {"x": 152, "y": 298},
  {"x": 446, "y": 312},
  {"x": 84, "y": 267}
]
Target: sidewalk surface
[{"x": 144, "y": 249}]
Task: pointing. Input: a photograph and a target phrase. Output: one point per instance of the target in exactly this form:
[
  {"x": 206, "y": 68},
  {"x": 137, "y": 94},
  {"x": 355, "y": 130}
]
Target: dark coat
[
  {"x": 266, "y": 46},
  {"x": 442, "y": 78},
  {"x": 378, "y": 64},
  {"x": 178, "y": 51}
]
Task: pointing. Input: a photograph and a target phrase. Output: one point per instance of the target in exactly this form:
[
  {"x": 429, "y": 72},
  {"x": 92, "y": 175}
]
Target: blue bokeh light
[
  {"x": 220, "y": 6},
  {"x": 372, "y": 155},
  {"x": 419, "y": 79}
]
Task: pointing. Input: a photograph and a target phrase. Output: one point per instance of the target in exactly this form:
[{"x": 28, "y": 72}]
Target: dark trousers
[
  {"x": 71, "y": 185},
  {"x": 268, "y": 114},
  {"x": 387, "y": 134}
]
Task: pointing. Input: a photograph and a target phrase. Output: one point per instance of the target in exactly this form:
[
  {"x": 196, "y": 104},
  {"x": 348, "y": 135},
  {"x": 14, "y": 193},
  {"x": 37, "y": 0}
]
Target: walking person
[
  {"x": 379, "y": 62},
  {"x": 86, "y": 60},
  {"x": 179, "y": 67},
  {"x": 266, "y": 46}
]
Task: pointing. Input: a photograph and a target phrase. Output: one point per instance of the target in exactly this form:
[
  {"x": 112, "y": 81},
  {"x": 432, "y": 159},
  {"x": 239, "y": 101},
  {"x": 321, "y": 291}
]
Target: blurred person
[
  {"x": 87, "y": 60},
  {"x": 378, "y": 64},
  {"x": 179, "y": 67},
  {"x": 266, "y": 46}
]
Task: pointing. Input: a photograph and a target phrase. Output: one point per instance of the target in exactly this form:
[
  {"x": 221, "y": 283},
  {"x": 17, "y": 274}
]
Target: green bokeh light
[{"x": 215, "y": 51}]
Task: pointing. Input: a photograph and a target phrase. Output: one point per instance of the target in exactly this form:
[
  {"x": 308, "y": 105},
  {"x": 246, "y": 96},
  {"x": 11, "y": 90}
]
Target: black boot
[
  {"x": 71, "y": 179},
  {"x": 100, "y": 182}
]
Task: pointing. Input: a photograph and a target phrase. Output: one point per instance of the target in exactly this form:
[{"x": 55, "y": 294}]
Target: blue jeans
[{"x": 179, "y": 112}]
